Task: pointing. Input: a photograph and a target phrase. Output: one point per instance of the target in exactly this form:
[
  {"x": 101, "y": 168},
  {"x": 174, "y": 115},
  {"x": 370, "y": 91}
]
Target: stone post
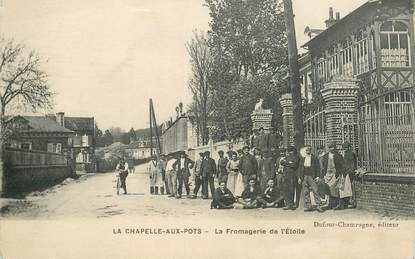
[
  {"x": 287, "y": 120},
  {"x": 262, "y": 118},
  {"x": 340, "y": 97}
]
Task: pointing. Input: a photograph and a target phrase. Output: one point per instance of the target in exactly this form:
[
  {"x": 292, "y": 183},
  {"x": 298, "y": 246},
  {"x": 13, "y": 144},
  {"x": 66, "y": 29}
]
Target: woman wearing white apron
[{"x": 155, "y": 169}]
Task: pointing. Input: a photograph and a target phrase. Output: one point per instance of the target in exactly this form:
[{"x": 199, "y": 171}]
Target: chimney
[
  {"x": 329, "y": 22},
  {"x": 337, "y": 16},
  {"x": 60, "y": 118}
]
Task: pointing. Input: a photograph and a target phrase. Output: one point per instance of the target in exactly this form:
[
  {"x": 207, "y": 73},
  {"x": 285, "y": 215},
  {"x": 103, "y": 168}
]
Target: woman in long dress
[
  {"x": 155, "y": 169},
  {"x": 233, "y": 171}
]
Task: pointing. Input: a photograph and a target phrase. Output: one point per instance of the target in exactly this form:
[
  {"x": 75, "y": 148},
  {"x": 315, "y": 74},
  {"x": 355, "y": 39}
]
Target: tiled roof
[
  {"x": 79, "y": 123},
  {"x": 43, "y": 124}
]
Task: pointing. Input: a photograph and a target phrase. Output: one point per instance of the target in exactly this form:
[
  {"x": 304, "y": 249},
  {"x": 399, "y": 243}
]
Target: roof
[
  {"x": 41, "y": 124},
  {"x": 137, "y": 145},
  {"x": 80, "y": 123},
  {"x": 343, "y": 20}
]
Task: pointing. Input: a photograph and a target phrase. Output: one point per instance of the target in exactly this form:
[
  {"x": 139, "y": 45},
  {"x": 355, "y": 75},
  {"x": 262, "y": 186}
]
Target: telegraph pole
[{"x": 294, "y": 75}]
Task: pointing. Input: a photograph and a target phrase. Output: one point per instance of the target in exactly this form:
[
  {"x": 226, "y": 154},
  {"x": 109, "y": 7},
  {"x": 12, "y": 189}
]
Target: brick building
[{"x": 362, "y": 69}]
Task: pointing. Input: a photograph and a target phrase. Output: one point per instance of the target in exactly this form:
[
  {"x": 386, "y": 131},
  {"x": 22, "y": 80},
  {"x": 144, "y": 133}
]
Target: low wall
[
  {"x": 21, "y": 180},
  {"x": 31, "y": 170},
  {"x": 388, "y": 194},
  {"x": 214, "y": 148}
]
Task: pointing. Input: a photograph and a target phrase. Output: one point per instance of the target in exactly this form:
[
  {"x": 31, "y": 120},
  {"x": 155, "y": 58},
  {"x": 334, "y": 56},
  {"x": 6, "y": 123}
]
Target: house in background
[
  {"x": 139, "y": 150},
  {"x": 38, "y": 133},
  {"x": 82, "y": 140}
]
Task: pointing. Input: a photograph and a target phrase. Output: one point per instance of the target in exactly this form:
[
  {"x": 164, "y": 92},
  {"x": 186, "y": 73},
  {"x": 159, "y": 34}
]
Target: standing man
[
  {"x": 308, "y": 171},
  {"x": 279, "y": 177},
  {"x": 208, "y": 174},
  {"x": 248, "y": 165},
  {"x": 222, "y": 173},
  {"x": 122, "y": 170},
  {"x": 171, "y": 175},
  {"x": 183, "y": 166},
  {"x": 163, "y": 164},
  {"x": 332, "y": 166},
  {"x": 198, "y": 176},
  {"x": 350, "y": 166},
  {"x": 290, "y": 166},
  {"x": 262, "y": 141}
]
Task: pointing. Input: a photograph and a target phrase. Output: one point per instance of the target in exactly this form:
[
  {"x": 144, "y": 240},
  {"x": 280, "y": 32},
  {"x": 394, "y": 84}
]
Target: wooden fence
[{"x": 20, "y": 157}]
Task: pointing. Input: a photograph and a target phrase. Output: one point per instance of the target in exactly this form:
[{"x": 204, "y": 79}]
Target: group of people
[{"x": 256, "y": 178}]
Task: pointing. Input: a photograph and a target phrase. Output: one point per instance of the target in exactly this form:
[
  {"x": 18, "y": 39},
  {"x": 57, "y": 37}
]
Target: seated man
[
  {"x": 250, "y": 194},
  {"x": 222, "y": 197},
  {"x": 270, "y": 197}
]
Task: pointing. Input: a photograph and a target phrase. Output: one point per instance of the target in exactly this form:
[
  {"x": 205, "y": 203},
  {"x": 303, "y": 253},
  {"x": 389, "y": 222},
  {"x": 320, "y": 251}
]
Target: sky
[{"x": 106, "y": 58}]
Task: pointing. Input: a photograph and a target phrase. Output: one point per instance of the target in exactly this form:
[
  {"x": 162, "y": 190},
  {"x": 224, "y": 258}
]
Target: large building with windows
[{"x": 362, "y": 68}]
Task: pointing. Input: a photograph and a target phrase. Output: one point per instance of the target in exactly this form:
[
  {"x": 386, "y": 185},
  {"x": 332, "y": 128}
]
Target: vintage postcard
[{"x": 207, "y": 129}]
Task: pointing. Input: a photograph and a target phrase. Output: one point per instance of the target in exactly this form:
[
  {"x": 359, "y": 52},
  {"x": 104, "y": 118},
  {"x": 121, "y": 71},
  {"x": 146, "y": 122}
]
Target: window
[
  {"x": 398, "y": 108},
  {"x": 394, "y": 44},
  {"x": 84, "y": 140},
  {"x": 54, "y": 147},
  {"x": 58, "y": 148},
  {"x": 51, "y": 147}
]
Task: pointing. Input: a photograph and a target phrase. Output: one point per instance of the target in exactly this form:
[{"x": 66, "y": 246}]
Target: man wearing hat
[
  {"x": 331, "y": 169},
  {"x": 248, "y": 165},
  {"x": 350, "y": 165},
  {"x": 289, "y": 172},
  {"x": 308, "y": 171},
  {"x": 183, "y": 166},
  {"x": 122, "y": 171},
  {"x": 198, "y": 175},
  {"x": 171, "y": 175},
  {"x": 222, "y": 173},
  {"x": 208, "y": 174}
]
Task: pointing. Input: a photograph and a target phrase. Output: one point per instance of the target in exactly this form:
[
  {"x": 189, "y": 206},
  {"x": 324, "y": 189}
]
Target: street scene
[
  {"x": 263, "y": 113},
  {"x": 207, "y": 129},
  {"x": 76, "y": 200}
]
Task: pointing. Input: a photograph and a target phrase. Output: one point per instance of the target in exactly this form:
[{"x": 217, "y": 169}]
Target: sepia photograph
[{"x": 207, "y": 128}]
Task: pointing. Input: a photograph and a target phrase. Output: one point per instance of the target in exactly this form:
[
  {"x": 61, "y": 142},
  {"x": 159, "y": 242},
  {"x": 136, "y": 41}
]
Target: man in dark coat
[
  {"x": 208, "y": 174},
  {"x": 248, "y": 165},
  {"x": 350, "y": 166},
  {"x": 222, "y": 172},
  {"x": 332, "y": 168},
  {"x": 250, "y": 194},
  {"x": 308, "y": 171},
  {"x": 290, "y": 166},
  {"x": 270, "y": 197},
  {"x": 222, "y": 197},
  {"x": 183, "y": 166}
]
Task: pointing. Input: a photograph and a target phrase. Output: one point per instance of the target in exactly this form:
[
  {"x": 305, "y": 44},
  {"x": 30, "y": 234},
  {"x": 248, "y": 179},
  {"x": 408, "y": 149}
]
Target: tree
[
  {"x": 22, "y": 81},
  {"x": 294, "y": 76},
  {"x": 108, "y": 138},
  {"x": 21, "y": 77},
  {"x": 201, "y": 64},
  {"x": 248, "y": 44}
]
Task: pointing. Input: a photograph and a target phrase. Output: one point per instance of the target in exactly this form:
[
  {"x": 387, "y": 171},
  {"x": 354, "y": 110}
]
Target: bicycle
[{"x": 118, "y": 184}]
